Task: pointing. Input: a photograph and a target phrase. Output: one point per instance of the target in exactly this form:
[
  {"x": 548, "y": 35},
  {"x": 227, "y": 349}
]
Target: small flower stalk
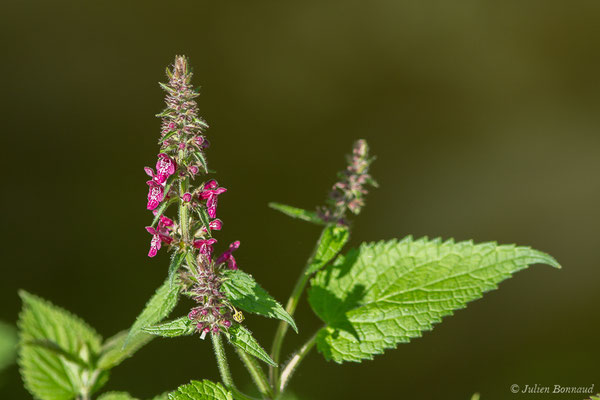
[
  {"x": 180, "y": 162},
  {"x": 349, "y": 192}
]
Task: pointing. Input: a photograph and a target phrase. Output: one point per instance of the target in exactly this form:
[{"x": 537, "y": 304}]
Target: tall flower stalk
[
  {"x": 180, "y": 179},
  {"x": 349, "y": 192}
]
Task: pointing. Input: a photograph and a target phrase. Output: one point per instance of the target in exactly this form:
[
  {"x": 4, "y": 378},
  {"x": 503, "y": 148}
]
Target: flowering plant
[{"x": 370, "y": 298}]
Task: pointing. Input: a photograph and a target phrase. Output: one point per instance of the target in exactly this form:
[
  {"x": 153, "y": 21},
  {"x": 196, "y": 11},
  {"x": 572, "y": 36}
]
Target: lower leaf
[
  {"x": 201, "y": 390},
  {"x": 241, "y": 337}
]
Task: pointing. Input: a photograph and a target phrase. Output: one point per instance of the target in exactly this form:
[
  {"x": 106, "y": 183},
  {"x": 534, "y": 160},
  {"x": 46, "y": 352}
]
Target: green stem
[
  {"x": 283, "y": 326},
  {"x": 184, "y": 218},
  {"x": 295, "y": 360},
  {"x": 256, "y": 372},
  {"x": 222, "y": 360},
  {"x": 239, "y": 395},
  {"x": 224, "y": 368}
]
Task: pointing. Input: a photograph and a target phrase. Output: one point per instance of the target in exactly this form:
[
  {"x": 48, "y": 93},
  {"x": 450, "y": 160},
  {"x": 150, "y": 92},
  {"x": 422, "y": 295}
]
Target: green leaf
[
  {"x": 114, "y": 350},
  {"x": 54, "y": 347},
  {"x": 243, "y": 291},
  {"x": 157, "y": 308},
  {"x": 116, "y": 396},
  {"x": 205, "y": 390},
  {"x": 309, "y": 216},
  {"x": 167, "y": 89},
  {"x": 330, "y": 243},
  {"x": 8, "y": 344},
  {"x": 47, "y": 374},
  {"x": 241, "y": 337},
  {"x": 163, "y": 396},
  {"x": 179, "y": 327},
  {"x": 176, "y": 260},
  {"x": 205, "y": 219},
  {"x": 163, "y": 206},
  {"x": 199, "y": 156},
  {"x": 167, "y": 136},
  {"x": 387, "y": 293},
  {"x": 200, "y": 121}
]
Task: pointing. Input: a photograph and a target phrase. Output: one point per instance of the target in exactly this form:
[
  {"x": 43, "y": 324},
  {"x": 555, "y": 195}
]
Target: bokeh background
[{"x": 484, "y": 116}]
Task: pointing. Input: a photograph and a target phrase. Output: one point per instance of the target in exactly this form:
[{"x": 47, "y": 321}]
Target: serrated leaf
[
  {"x": 47, "y": 374},
  {"x": 8, "y": 345},
  {"x": 179, "y": 327},
  {"x": 330, "y": 243},
  {"x": 294, "y": 212},
  {"x": 241, "y": 337},
  {"x": 387, "y": 293},
  {"x": 116, "y": 396},
  {"x": 243, "y": 291},
  {"x": 158, "y": 308},
  {"x": 205, "y": 390},
  {"x": 176, "y": 260}
]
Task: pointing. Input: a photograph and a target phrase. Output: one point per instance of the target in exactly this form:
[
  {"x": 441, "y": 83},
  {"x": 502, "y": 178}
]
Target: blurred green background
[{"x": 484, "y": 116}]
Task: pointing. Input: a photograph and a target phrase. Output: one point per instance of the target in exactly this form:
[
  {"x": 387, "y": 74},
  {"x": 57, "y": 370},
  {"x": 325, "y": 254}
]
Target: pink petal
[
  {"x": 211, "y": 184},
  {"x": 166, "y": 221},
  {"x": 149, "y": 171},
  {"x": 155, "y": 195},
  {"x": 216, "y": 225}
]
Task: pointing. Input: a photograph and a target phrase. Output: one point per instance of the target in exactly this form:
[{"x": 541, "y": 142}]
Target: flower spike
[{"x": 181, "y": 159}]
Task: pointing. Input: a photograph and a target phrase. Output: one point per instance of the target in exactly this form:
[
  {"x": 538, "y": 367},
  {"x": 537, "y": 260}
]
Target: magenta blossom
[
  {"x": 165, "y": 167},
  {"x": 210, "y": 193},
  {"x": 156, "y": 194},
  {"x": 187, "y": 197},
  {"x": 227, "y": 256},
  {"x": 205, "y": 246},
  {"x": 193, "y": 170},
  {"x": 214, "y": 225},
  {"x": 162, "y": 233}
]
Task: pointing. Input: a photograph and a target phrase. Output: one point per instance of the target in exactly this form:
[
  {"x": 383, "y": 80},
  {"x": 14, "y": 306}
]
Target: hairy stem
[
  {"x": 256, "y": 372},
  {"x": 283, "y": 326},
  {"x": 183, "y": 212},
  {"x": 239, "y": 395},
  {"x": 297, "y": 357},
  {"x": 222, "y": 360}
]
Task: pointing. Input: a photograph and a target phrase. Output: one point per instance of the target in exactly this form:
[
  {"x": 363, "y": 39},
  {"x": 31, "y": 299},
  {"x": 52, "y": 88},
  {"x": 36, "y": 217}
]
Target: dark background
[{"x": 484, "y": 116}]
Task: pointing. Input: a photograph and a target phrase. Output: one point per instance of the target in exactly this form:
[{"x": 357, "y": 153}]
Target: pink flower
[
  {"x": 205, "y": 246},
  {"x": 210, "y": 193},
  {"x": 165, "y": 167},
  {"x": 160, "y": 234},
  {"x": 227, "y": 256},
  {"x": 154, "y": 244},
  {"x": 193, "y": 170},
  {"x": 156, "y": 194},
  {"x": 187, "y": 197},
  {"x": 214, "y": 225}
]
